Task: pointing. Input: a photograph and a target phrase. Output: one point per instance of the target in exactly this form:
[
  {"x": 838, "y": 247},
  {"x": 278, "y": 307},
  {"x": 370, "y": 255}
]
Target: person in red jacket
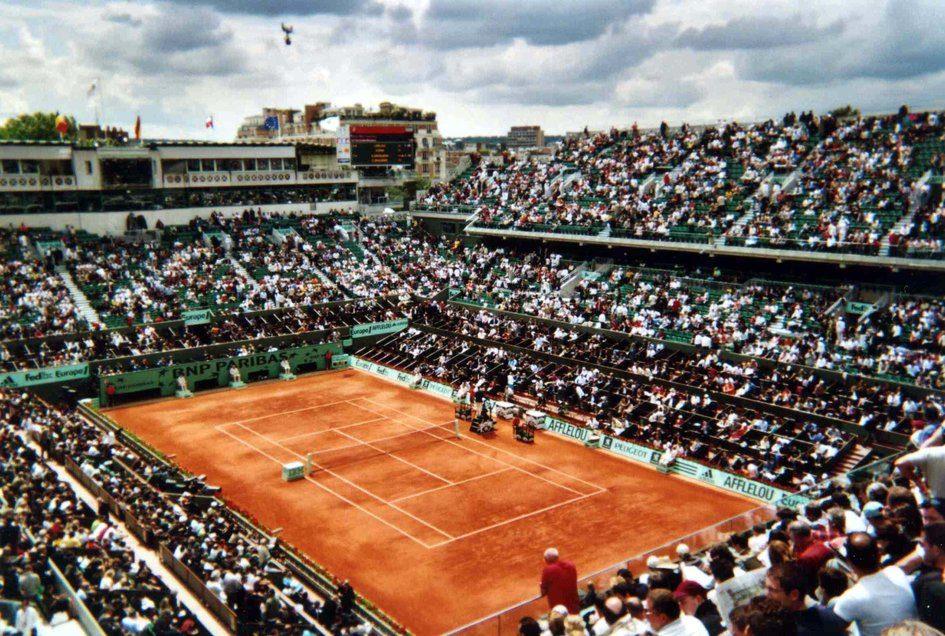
[{"x": 559, "y": 582}]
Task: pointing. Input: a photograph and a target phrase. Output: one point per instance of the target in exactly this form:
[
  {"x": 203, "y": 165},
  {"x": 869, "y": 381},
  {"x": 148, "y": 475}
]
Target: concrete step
[
  {"x": 850, "y": 459},
  {"x": 568, "y": 287},
  {"x": 242, "y": 272},
  {"x": 79, "y": 298}
]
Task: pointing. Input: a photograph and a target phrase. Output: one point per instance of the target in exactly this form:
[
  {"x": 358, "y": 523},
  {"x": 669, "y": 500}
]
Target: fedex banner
[{"x": 33, "y": 377}]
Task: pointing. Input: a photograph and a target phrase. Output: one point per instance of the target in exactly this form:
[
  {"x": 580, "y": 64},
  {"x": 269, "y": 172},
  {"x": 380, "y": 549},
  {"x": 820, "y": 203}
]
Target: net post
[{"x": 456, "y": 428}]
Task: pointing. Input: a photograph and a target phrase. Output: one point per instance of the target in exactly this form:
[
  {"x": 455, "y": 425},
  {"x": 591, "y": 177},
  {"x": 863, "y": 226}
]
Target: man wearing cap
[
  {"x": 873, "y": 511},
  {"x": 559, "y": 582},
  {"x": 690, "y": 567},
  {"x": 929, "y": 589},
  {"x": 693, "y": 600}
]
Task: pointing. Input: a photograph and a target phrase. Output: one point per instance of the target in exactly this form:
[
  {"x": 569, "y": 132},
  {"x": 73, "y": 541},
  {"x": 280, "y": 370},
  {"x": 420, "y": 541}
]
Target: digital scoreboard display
[{"x": 382, "y": 146}]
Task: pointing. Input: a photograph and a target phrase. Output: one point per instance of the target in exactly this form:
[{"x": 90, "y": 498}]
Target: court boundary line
[
  {"x": 353, "y": 485},
  {"x": 328, "y": 430},
  {"x": 289, "y": 412},
  {"x": 597, "y": 487},
  {"x": 392, "y": 503},
  {"x": 394, "y": 455},
  {"x": 518, "y": 518},
  {"x": 361, "y": 442},
  {"x": 450, "y": 485},
  {"x": 329, "y": 490}
]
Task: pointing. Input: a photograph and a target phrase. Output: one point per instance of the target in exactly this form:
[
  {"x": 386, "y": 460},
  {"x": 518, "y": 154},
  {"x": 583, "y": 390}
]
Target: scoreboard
[{"x": 380, "y": 146}]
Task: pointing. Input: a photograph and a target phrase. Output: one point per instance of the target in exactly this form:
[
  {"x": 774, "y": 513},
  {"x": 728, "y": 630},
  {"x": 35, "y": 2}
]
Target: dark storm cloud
[
  {"x": 188, "y": 44},
  {"x": 902, "y": 45},
  {"x": 757, "y": 32},
  {"x": 275, "y": 8},
  {"x": 453, "y": 24}
]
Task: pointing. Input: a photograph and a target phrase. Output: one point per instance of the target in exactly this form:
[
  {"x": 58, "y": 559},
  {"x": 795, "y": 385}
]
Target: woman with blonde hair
[
  {"x": 779, "y": 552},
  {"x": 911, "y": 628},
  {"x": 574, "y": 626}
]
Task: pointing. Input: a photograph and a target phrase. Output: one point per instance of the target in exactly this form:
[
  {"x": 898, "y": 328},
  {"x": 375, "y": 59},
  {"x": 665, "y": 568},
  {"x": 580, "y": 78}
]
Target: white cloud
[{"x": 483, "y": 65}]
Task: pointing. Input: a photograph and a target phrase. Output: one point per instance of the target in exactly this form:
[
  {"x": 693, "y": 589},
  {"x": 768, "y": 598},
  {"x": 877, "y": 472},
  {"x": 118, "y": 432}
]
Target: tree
[
  {"x": 845, "y": 112},
  {"x": 36, "y": 126}
]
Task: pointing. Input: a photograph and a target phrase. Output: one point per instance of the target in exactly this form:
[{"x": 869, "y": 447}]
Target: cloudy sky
[{"x": 482, "y": 65}]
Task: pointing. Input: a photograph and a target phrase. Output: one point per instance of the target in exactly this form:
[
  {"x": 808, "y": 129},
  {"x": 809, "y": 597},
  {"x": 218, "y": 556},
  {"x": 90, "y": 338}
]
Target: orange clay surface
[{"x": 438, "y": 534}]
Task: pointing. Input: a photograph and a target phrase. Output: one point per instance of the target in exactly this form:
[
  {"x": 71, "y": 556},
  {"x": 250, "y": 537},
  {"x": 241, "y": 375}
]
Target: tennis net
[{"x": 331, "y": 458}]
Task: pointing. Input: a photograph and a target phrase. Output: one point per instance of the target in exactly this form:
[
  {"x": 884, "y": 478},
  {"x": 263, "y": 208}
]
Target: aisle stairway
[
  {"x": 78, "y": 297},
  {"x": 850, "y": 459},
  {"x": 238, "y": 267},
  {"x": 902, "y": 225}
]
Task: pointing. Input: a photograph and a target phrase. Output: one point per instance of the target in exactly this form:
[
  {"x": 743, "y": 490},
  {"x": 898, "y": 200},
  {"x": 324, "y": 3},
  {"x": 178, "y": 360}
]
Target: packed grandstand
[{"x": 816, "y": 385}]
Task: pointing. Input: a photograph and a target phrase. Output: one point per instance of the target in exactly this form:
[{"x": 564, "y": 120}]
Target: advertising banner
[
  {"x": 33, "y": 377},
  {"x": 197, "y": 317},
  {"x": 378, "y": 328},
  {"x": 214, "y": 372}
]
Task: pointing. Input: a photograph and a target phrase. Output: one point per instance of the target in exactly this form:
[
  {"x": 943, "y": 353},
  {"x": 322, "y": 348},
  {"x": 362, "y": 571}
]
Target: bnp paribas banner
[
  {"x": 378, "y": 328},
  {"x": 719, "y": 478},
  {"x": 33, "y": 377}
]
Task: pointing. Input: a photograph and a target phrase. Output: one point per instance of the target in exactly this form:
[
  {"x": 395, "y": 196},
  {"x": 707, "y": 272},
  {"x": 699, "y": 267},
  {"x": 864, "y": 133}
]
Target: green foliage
[
  {"x": 845, "y": 112},
  {"x": 36, "y": 126}
]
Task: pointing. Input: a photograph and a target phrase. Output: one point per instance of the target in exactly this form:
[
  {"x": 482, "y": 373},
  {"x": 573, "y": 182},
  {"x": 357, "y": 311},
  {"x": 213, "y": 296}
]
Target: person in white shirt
[
  {"x": 27, "y": 619},
  {"x": 666, "y": 617},
  {"x": 931, "y": 462},
  {"x": 881, "y": 597}
]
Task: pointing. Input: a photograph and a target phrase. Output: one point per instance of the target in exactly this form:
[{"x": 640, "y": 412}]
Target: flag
[
  {"x": 138, "y": 127},
  {"x": 62, "y": 124},
  {"x": 92, "y": 88},
  {"x": 271, "y": 123},
  {"x": 209, "y": 122}
]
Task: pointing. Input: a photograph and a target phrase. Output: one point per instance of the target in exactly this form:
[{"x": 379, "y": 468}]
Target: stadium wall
[{"x": 115, "y": 222}]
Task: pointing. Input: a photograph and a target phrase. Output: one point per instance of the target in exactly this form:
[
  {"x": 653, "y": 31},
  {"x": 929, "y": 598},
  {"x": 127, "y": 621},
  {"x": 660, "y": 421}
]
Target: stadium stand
[
  {"x": 816, "y": 386},
  {"x": 785, "y": 185}
]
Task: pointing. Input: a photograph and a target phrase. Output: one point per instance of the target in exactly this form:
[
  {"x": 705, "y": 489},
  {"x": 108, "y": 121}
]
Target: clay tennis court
[{"x": 437, "y": 530}]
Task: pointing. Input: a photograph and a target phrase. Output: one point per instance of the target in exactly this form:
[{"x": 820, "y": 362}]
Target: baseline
[
  {"x": 596, "y": 487},
  {"x": 332, "y": 492},
  {"x": 352, "y": 484}
]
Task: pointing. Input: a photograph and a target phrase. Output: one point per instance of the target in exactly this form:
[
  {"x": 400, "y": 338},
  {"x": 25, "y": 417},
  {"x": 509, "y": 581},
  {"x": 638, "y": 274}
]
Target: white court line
[
  {"x": 454, "y": 483},
  {"x": 352, "y": 484},
  {"x": 327, "y": 489},
  {"x": 361, "y": 442},
  {"x": 501, "y": 450},
  {"x": 307, "y": 408},
  {"x": 514, "y": 467},
  {"x": 518, "y": 518},
  {"x": 392, "y": 455},
  {"x": 329, "y": 430}
]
